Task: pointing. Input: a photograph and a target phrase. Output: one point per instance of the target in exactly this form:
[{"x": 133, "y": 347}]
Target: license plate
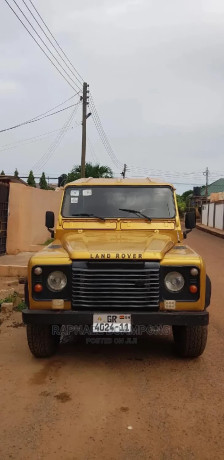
[{"x": 110, "y": 323}]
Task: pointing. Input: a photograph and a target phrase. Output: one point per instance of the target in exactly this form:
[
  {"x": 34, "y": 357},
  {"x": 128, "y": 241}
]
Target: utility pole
[
  {"x": 123, "y": 173},
  {"x": 84, "y": 117},
  {"x": 206, "y": 173}
]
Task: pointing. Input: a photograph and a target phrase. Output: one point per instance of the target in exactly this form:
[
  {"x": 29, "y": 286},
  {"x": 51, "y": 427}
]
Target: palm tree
[{"x": 96, "y": 170}]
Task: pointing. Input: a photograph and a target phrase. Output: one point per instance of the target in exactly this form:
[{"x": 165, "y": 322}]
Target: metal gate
[{"x": 4, "y": 198}]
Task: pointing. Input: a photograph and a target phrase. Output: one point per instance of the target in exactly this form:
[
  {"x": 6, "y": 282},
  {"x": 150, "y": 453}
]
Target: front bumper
[{"x": 80, "y": 318}]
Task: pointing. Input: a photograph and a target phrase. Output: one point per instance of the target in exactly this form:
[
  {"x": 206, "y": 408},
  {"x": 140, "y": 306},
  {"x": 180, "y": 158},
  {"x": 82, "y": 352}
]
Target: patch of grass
[
  {"x": 20, "y": 306},
  {"x": 16, "y": 300},
  {"x": 10, "y": 298}
]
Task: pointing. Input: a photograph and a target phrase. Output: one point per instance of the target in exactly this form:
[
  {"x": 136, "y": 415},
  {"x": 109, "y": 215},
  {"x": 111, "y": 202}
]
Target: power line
[
  {"x": 92, "y": 150},
  {"x": 38, "y": 43},
  {"x": 52, "y": 44},
  {"x": 196, "y": 175},
  {"x": 33, "y": 120},
  {"x": 47, "y": 155},
  {"x": 39, "y": 36},
  {"x": 82, "y": 79},
  {"x": 14, "y": 145},
  {"x": 102, "y": 134},
  {"x": 158, "y": 171},
  {"x": 51, "y": 40},
  {"x": 96, "y": 117},
  {"x": 56, "y": 106}
]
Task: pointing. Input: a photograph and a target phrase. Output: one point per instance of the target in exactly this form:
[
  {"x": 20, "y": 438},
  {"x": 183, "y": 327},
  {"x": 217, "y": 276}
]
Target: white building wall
[
  {"x": 219, "y": 215},
  {"x": 205, "y": 214},
  {"x": 211, "y": 214}
]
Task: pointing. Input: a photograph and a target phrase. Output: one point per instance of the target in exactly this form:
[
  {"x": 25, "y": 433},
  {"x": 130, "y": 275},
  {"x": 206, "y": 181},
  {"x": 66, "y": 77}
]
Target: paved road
[{"x": 117, "y": 402}]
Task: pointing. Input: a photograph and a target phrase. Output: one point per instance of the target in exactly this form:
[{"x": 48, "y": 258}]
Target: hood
[{"x": 117, "y": 244}]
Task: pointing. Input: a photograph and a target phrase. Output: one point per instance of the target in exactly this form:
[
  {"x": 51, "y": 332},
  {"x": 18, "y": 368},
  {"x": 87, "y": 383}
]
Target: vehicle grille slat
[
  {"x": 115, "y": 285},
  {"x": 118, "y": 285}
]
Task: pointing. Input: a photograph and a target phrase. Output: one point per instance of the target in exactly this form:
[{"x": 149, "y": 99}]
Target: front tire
[
  {"x": 42, "y": 343},
  {"x": 190, "y": 341}
]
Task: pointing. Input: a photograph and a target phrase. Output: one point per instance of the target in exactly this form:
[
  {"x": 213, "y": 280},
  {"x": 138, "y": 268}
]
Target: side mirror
[
  {"x": 190, "y": 220},
  {"x": 49, "y": 222}
]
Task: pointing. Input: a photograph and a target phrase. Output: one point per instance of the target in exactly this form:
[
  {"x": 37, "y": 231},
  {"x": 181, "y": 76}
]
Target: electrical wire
[
  {"x": 195, "y": 175},
  {"x": 52, "y": 44},
  {"x": 29, "y": 140},
  {"x": 47, "y": 155},
  {"x": 102, "y": 134},
  {"x": 95, "y": 116},
  {"x": 33, "y": 120},
  {"x": 39, "y": 44},
  {"x": 56, "y": 106},
  {"x": 57, "y": 42},
  {"x": 92, "y": 150},
  {"x": 39, "y": 36}
]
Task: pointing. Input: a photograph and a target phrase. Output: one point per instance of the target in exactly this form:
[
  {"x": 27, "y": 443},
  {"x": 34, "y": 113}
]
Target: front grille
[{"x": 108, "y": 285}]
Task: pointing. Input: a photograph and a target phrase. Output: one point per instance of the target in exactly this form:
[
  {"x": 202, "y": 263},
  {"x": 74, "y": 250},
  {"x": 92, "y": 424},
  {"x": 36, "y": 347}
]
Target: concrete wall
[
  {"x": 219, "y": 216},
  {"x": 213, "y": 215},
  {"x": 204, "y": 219},
  {"x": 26, "y": 219}
]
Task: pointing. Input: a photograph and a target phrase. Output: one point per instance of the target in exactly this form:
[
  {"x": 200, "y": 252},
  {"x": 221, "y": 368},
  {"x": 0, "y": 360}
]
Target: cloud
[
  {"x": 9, "y": 88},
  {"x": 155, "y": 69}
]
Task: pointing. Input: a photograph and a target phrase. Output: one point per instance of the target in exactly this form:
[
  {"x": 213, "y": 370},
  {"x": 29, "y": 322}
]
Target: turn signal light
[
  {"x": 194, "y": 271},
  {"x": 38, "y": 288},
  {"x": 38, "y": 270},
  {"x": 193, "y": 289}
]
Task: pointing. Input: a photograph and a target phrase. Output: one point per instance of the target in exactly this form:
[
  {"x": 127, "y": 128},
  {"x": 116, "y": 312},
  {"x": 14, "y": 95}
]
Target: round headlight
[
  {"x": 56, "y": 281},
  {"x": 174, "y": 281}
]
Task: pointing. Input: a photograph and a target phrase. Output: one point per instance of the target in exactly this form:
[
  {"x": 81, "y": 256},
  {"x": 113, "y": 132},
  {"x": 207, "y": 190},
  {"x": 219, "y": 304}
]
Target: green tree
[
  {"x": 185, "y": 196},
  {"x": 16, "y": 173},
  {"x": 43, "y": 182},
  {"x": 96, "y": 170},
  {"x": 183, "y": 201},
  {"x": 181, "y": 205},
  {"x": 3, "y": 173},
  {"x": 31, "y": 181}
]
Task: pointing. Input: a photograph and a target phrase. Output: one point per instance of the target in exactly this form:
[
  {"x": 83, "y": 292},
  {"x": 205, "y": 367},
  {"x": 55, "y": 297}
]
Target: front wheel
[
  {"x": 42, "y": 343},
  {"x": 190, "y": 341}
]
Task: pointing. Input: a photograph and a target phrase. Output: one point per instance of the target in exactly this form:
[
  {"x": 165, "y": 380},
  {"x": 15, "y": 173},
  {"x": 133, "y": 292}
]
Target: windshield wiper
[
  {"x": 136, "y": 212},
  {"x": 88, "y": 215}
]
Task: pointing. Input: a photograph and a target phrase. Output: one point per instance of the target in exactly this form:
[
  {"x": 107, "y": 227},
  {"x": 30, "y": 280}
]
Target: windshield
[{"x": 117, "y": 201}]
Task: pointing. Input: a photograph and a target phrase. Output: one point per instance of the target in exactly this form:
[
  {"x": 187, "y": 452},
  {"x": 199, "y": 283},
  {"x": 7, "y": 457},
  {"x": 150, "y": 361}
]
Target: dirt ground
[{"x": 116, "y": 401}]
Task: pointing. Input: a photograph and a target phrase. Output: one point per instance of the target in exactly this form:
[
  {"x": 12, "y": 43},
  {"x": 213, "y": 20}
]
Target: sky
[{"x": 155, "y": 70}]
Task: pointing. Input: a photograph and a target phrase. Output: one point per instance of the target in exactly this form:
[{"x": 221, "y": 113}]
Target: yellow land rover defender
[{"x": 118, "y": 265}]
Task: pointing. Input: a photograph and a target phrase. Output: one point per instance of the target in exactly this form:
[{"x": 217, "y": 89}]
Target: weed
[
  {"x": 9, "y": 299},
  {"x": 49, "y": 241},
  {"x": 20, "y": 306}
]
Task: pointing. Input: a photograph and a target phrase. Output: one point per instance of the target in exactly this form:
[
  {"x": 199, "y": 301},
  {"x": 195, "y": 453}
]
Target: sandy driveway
[{"x": 115, "y": 401}]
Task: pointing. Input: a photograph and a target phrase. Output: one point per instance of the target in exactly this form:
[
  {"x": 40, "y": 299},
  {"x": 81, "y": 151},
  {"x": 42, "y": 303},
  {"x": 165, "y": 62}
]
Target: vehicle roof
[{"x": 90, "y": 181}]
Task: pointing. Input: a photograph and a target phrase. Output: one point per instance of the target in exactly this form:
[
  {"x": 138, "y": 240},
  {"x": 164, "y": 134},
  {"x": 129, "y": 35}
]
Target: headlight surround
[
  {"x": 174, "y": 281},
  {"x": 56, "y": 281}
]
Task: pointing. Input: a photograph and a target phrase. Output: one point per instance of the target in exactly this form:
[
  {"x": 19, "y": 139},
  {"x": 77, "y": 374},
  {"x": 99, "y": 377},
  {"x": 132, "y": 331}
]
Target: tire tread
[
  {"x": 41, "y": 342},
  {"x": 190, "y": 341}
]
